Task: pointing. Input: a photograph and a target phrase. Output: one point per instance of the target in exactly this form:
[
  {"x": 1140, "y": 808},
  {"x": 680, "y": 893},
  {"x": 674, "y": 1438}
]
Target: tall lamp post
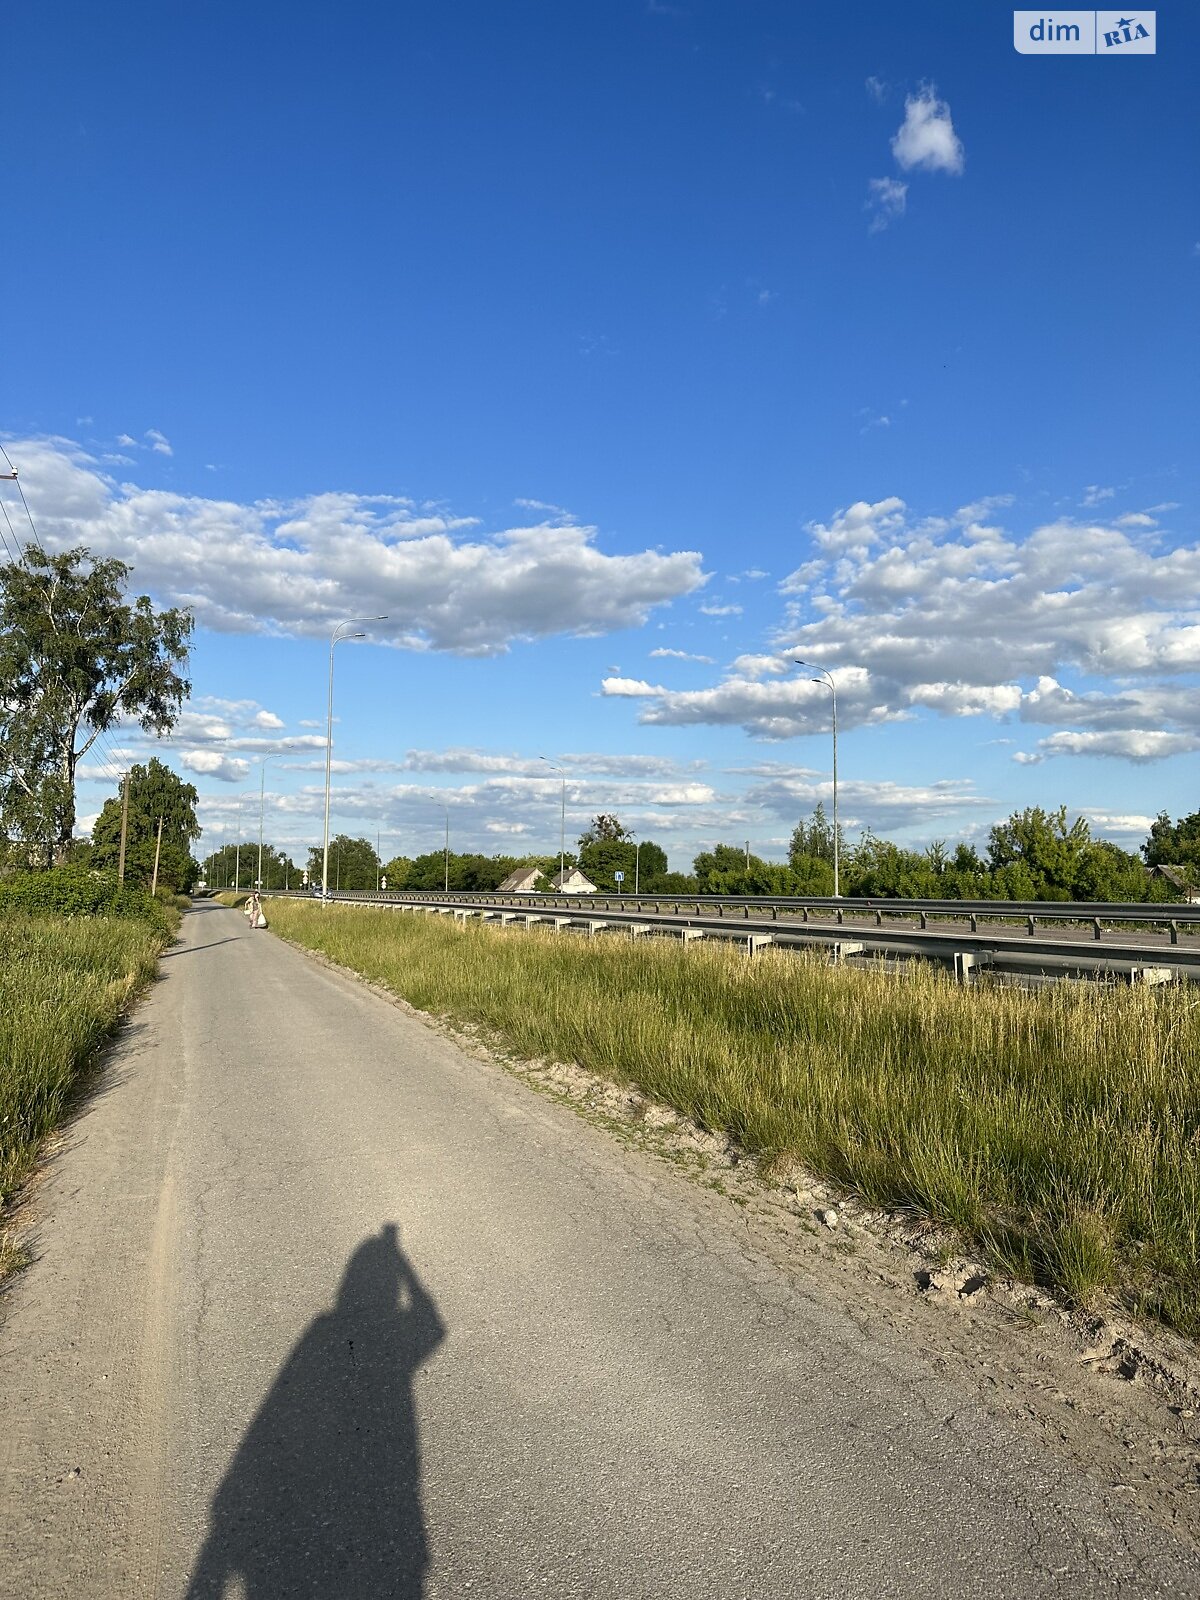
[
  {"x": 446, "y": 809},
  {"x": 562, "y": 825},
  {"x": 246, "y": 794},
  {"x": 335, "y": 639},
  {"x": 262, "y": 797},
  {"x": 826, "y": 680},
  {"x": 637, "y": 860}
]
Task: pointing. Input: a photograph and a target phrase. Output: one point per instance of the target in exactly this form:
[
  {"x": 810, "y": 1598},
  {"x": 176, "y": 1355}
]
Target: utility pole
[
  {"x": 124, "y": 826},
  {"x": 447, "y": 889},
  {"x": 747, "y": 855},
  {"x": 378, "y": 860},
  {"x": 157, "y": 848}
]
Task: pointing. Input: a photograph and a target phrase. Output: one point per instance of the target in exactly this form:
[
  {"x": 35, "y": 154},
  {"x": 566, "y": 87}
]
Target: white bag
[{"x": 260, "y": 921}]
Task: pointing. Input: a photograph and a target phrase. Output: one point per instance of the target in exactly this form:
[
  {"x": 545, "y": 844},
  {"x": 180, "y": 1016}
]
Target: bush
[{"x": 76, "y": 891}]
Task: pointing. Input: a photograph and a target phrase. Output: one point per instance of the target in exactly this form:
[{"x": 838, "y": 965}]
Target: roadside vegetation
[
  {"x": 1057, "y": 1132},
  {"x": 75, "y": 948}
]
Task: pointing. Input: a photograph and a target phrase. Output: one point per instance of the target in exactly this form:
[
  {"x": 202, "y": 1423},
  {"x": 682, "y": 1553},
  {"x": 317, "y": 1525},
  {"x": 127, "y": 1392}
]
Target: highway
[
  {"x": 1030, "y": 939},
  {"x": 323, "y": 1306}
]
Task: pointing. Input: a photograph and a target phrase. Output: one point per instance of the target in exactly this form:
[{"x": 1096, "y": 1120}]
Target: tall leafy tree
[
  {"x": 76, "y": 658},
  {"x": 602, "y": 828},
  {"x": 1175, "y": 844},
  {"x": 353, "y": 863},
  {"x": 154, "y": 791}
]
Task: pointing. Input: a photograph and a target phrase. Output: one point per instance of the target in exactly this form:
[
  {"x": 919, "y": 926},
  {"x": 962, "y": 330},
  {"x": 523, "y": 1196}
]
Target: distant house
[
  {"x": 572, "y": 881},
  {"x": 1178, "y": 880},
  {"x": 522, "y": 881}
]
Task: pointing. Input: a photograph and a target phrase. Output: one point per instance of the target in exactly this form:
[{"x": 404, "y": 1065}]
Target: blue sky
[{"x": 619, "y": 352}]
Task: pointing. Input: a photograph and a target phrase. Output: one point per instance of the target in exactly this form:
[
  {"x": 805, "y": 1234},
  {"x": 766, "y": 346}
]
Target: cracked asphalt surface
[{"x": 323, "y": 1306}]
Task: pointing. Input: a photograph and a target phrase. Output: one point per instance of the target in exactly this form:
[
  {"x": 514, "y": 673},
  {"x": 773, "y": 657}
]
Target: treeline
[{"x": 1033, "y": 855}]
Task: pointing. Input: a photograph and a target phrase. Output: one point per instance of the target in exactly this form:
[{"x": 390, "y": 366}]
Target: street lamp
[
  {"x": 637, "y": 860},
  {"x": 262, "y": 795},
  {"x": 336, "y": 638},
  {"x": 446, "y": 809},
  {"x": 562, "y": 825},
  {"x": 826, "y": 681}
]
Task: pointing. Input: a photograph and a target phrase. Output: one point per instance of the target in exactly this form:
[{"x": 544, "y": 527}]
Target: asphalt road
[{"x": 324, "y": 1307}]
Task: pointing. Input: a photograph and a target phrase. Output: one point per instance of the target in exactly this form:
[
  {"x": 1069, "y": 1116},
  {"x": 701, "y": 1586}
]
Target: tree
[
  {"x": 604, "y": 827},
  {"x": 235, "y": 864},
  {"x": 1175, "y": 844},
  {"x": 398, "y": 872},
  {"x": 154, "y": 791},
  {"x": 814, "y": 841},
  {"x": 353, "y": 863},
  {"x": 75, "y": 659},
  {"x": 1045, "y": 846},
  {"x": 724, "y": 860}
]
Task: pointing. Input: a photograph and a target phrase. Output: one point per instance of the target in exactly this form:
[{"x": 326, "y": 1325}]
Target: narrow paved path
[{"x": 322, "y": 1307}]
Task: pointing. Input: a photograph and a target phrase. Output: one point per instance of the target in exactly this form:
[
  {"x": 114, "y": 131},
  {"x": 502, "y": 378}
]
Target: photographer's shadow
[{"x": 323, "y": 1497}]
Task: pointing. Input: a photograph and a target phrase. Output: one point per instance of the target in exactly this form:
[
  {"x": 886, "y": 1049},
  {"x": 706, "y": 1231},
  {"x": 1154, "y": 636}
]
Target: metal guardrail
[
  {"x": 1148, "y": 958},
  {"x": 1094, "y": 913}
]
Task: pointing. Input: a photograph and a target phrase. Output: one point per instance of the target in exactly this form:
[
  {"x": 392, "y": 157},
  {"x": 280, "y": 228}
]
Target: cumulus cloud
[
  {"x": 159, "y": 442},
  {"x": 1131, "y": 744},
  {"x": 631, "y": 688},
  {"x": 1088, "y": 627},
  {"x": 298, "y": 567},
  {"x": 782, "y": 709},
  {"x": 721, "y": 611},
  {"x": 214, "y": 764},
  {"x": 926, "y": 139}
]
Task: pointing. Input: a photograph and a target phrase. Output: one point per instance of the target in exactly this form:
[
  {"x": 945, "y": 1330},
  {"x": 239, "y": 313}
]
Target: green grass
[
  {"x": 1057, "y": 1132},
  {"x": 64, "y": 982}
]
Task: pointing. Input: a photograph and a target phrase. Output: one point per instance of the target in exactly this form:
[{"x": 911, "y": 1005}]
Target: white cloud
[
  {"x": 1094, "y": 495},
  {"x": 297, "y": 568},
  {"x": 880, "y": 805},
  {"x": 678, "y": 655},
  {"x": 159, "y": 442},
  {"x": 1107, "y": 822},
  {"x": 926, "y": 138},
  {"x": 721, "y": 611},
  {"x": 887, "y": 199},
  {"x": 632, "y": 688},
  {"x": 783, "y": 709},
  {"x": 1136, "y": 519},
  {"x": 967, "y": 699},
  {"x": 877, "y": 89},
  {"x": 126, "y": 442},
  {"x": 1131, "y": 744},
  {"x": 214, "y": 764},
  {"x": 1088, "y": 628}
]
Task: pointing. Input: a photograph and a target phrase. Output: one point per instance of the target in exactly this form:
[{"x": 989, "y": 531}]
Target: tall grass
[
  {"x": 63, "y": 984},
  {"x": 1058, "y": 1131}
]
